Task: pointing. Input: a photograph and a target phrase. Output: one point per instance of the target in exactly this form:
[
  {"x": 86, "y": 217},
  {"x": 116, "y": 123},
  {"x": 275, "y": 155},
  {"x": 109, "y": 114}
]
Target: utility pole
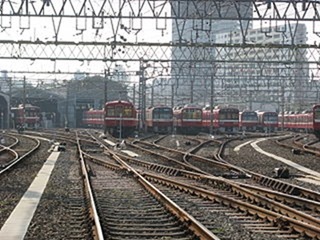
[
  {"x": 24, "y": 102},
  {"x": 282, "y": 105},
  {"x": 9, "y": 103},
  {"x": 106, "y": 86},
  {"x": 142, "y": 96},
  {"x": 67, "y": 105},
  {"x": 191, "y": 89},
  {"x": 172, "y": 95},
  {"x": 134, "y": 95},
  {"x": 211, "y": 104},
  {"x": 152, "y": 93}
]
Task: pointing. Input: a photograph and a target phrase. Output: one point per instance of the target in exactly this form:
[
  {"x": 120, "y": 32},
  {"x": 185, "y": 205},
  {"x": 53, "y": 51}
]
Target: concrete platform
[
  {"x": 112, "y": 144},
  {"x": 130, "y": 153},
  {"x": 284, "y": 160},
  {"x": 18, "y": 222}
]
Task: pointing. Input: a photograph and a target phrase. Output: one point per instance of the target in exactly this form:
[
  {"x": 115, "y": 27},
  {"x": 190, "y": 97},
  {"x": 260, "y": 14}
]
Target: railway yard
[{"x": 85, "y": 185}]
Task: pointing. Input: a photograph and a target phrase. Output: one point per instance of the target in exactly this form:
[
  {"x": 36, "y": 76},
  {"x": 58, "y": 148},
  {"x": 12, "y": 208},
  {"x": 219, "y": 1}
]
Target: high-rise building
[
  {"x": 266, "y": 79},
  {"x": 191, "y": 74}
]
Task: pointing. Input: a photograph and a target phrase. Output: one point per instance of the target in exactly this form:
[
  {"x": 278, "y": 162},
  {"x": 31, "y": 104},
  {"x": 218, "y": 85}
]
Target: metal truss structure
[
  {"x": 202, "y": 9},
  {"x": 111, "y": 32}
]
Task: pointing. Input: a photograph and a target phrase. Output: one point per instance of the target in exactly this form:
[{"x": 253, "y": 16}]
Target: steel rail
[
  {"x": 280, "y": 197},
  {"x": 93, "y": 210},
  {"x": 298, "y": 225},
  {"x": 11, "y": 152},
  {"x": 195, "y": 226},
  {"x": 242, "y": 189},
  {"x": 10, "y": 165},
  {"x": 201, "y": 231},
  {"x": 274, "y": 183}
]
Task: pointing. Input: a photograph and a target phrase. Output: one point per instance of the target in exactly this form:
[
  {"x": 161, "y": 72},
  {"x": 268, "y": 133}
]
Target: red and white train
[
  {"x": 117, "y": 118},
  {"x": 93, "y": 118},
  {"x": 308, "y": 121},
  {"x": 268, "y": 121},
  {"x": 159, "y": 119},
  {"x": 193, "y": 119},
  {"x": 224, "y": 119},
  {"x": 248, "y": 121},
  {"x": 120, "y": 118},
  {"x": 187, "y": 119},
  {"x": 25, "y": 116}
]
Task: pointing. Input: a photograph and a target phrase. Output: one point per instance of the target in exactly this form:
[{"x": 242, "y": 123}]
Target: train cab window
[
  {"x": 317, "y": 113},
  {"x": 192, "y": 114},
  {"x": 162, "y": 113},
  {"x": 118, "y": 110},
  {"x": 127, "y": 112},
  {"x": 235, "y": 116},
  {"x": 110, "y": 111}
]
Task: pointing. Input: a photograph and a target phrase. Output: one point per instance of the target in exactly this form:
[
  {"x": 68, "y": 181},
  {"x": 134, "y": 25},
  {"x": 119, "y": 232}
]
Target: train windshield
[
  {"x": 117, "y": 111},
  {"x": 271, "y": 118},
  {"x": 229, "y": 115},
  {"x": 31, "y": 113},
  {"x": 162, "y": 113},
  {"x": 191, "y": 114},
  {"x": 250, "y": 116},
  {"x": 317, "y": 113}
]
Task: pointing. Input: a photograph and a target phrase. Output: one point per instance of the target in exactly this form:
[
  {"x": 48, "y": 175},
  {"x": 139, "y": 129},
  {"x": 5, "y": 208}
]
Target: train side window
[
  {"x": 110, "y": 111},
  {"x": 317, "y": 114},
  {"x": 127, "y": 112}
]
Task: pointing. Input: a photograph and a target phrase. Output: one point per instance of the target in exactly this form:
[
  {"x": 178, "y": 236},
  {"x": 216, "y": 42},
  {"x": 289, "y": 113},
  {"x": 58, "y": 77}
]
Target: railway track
[
  {"x": 142, "y": 220},
  {"x": 21, "y": 148},
  {"x": 242, "y": 207},
  {"x": 271, "y": 226},
  {"x": 16, "y": 177}
]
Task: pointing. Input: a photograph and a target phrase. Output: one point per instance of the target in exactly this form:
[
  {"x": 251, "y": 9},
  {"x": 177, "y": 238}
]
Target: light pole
[
  {"x": 120, "y": 134},
  {"x": 211, "y": 105},
  {"x": 282, "y": 105},
  {"x": 142, "y": 95}
]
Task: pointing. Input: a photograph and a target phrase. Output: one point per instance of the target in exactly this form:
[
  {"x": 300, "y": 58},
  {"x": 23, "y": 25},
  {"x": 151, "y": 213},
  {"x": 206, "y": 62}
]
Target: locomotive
[
  {"x": 93, "y": 118},
  {"x": 120, "y": 118},
  {"x": 267, "y": 121},
  {"x": 25, "y": 116},
  {"x": 187, "y": 119},
  {"x": 248, "y": 121},
  {"x": 159, "y": 119},
  {"x": 224, "y": 119}
]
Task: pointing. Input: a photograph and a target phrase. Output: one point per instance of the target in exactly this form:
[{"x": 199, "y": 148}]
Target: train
[
  {"x": 307, "y": 121},
  {"x": 268, "y": 121},
  {"x": 25, "y": 116},
  {"x": 93, "y": 118},
  {"x": 121, "y": 116},
  {"x": 159, "y": 119},
  {"x": 248, "y": 121},
  {"x": 224, "y": 119},
  {"x": 187, "y": 119}
]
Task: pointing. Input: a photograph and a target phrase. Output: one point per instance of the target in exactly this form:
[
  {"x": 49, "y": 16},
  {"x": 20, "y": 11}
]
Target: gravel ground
[
  {"x": 250, "y": 159},
  {"x": 14, "y": 183},
  {"x": 60, "y": 213}
]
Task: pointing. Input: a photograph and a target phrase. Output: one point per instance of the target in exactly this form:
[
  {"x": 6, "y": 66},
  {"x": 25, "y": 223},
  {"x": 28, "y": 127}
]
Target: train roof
[
  {"x": 187, "y": 106},
  {"x": 123, "y": 102},
  {"x": 95, "y": 110},
  {"x": 159, "y": 106},
  {"x": 266, "y": 112},
  {"x": 27, "y": 105},
  {"x": 248, "y": 112}
]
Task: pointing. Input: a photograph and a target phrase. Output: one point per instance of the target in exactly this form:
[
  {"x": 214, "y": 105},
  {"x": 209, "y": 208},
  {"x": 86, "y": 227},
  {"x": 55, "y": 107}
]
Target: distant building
[
  {"x": 260, "y": 85},
  {"x": 191, "y": 75},
  {"x": 4, "y": 81}
]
